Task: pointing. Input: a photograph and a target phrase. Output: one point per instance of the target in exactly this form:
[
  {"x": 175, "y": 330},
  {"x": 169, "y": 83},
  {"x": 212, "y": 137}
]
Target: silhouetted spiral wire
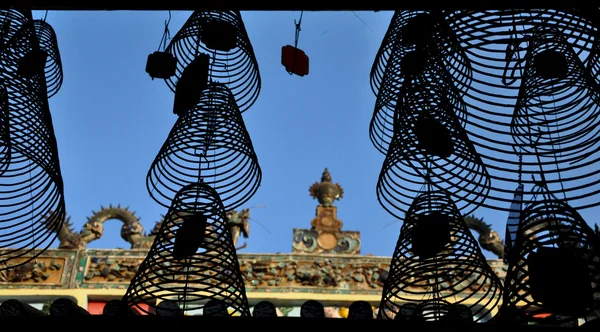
[
  {"x": 212, "y": 273},
  {"x": 411, "y": 31},
  {"x": 210, "y": 142},
  {"x": 495, "y": 44},
  {"x": 548, "y": 222},
  {"x": 407, "y": 164},
  {"x": 4, "y": 131},
  {"x": 556, "y": 118},
  {"x": 32, "y": 205},
  {"x": 458, "y": 273},
  {"x": 236, "y": 68},
  {"x": 53, "y": 68}
]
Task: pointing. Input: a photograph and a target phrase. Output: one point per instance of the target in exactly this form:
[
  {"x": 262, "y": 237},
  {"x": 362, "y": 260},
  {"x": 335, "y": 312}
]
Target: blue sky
[{"x": 111, "y": 119}]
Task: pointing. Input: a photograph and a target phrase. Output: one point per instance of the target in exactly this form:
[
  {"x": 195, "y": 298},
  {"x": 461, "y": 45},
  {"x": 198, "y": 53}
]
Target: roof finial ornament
[{"x": 326, "y": 191}]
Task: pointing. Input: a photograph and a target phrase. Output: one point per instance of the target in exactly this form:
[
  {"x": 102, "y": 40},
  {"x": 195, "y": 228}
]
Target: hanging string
[
  {"x": 296, "y": 38},
  {"x": 166, "y": 35},
  {"x": 45, "y": 16}
]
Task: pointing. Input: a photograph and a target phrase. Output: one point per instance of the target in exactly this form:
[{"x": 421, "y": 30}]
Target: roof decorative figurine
[
  {"x": 325, "y": 234},
  {"x": 326, "y": 191}
]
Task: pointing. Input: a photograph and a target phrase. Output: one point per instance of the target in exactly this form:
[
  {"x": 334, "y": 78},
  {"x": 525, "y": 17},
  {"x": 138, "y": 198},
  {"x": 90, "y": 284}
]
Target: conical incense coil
[
  {"x": 399, "y": 40},
  {"x": 388, "y": 44},
  {"x": 436, "y": 249},
  {"x": 496, "y": 43},
  {"x": 12, "y": 22},
  {"x": 4, "y": 131},
  {"x": 208, "y": 142},
  {"x": 233, "y": 62},
  {"x": 53, "y": 68},
  {"x": 429, "y": 35},
  {"x": 554, "y": 266},
  {"x": 31, "y": 187},
  {"x": 555, "y": 121},
  {"x": 210, "y": 273},
  {"x": 558, "y": 103},
  {"x": 431, "y": 145}
]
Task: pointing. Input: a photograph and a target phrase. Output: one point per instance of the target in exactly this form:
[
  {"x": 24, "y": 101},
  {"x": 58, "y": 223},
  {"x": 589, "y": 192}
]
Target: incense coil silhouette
[
  {"x": 4, "y": 131},
  {"x": 212, "y": 273},
  {"x": 388, "y": 45},
  {"x": 548, "y": 224},
  {"x": 211, "y": 142},
  {"x": 564, "y": 94},
  {"x": 48, "y": 43},
  {"x": 237, "y": 68},
  {"x": 556, "y": 117},
  {"x": 494, "y": 92},
  {"x": 457, "y": 272},
  {"x": 12, "y": 22},
  {"x": 31, "y": 187},
  {"x": 412, "y": 159},
  {"x": 440, "y": 43}
]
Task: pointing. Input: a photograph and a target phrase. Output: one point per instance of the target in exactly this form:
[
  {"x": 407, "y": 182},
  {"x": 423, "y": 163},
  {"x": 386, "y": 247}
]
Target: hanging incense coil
[
  {"x": 412, "y": 31},
  {"x": 210, "y": 273},
  {"x": 31, "y": 194},
  {"x": 554, "y": 266},
  {"x": 384, "y": 53},
  {"x": 223, "y": 36},
  {"x": 400, "y": 38},
  {"x": 210, "y": 142},
  {"x": 556, "y": 117},
  {"x": 438, "y": 259},
  {"x": 431, "y": 145},
  {"x": 48, "y": 44},
  {"x": 12, "y": 22},
  {"x": 4, "y": 131},
  {"x": 497, "y": 43}
]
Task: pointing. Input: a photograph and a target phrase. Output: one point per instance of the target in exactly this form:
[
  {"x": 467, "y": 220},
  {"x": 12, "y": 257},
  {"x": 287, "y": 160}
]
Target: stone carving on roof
[
  {"x": 326, "y": 192},
  {"x": 132, "y": 230},
  {"x": 100, "y": 268},
  {"x": 326, "y": 235}
]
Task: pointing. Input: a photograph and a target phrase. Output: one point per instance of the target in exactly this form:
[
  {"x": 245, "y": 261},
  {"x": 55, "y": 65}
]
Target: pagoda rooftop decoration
[{"x": 325, "y": 235}]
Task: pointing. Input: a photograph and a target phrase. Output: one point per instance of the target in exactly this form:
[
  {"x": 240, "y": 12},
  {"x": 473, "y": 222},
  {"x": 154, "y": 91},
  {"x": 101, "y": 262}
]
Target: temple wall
[{"x": 94, "y": 276}]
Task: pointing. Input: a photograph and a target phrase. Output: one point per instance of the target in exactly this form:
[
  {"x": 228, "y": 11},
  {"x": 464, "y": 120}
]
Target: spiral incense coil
[
  {"x": 237, "y": 67},
  {"x": 388, "y": 45},
  {"x": 4, "y": 130},
  {"x": 558, "y": 103},
  {"x": 31, "y": 187},
  {"x": 593, "y": 63},
  {"x": 427, "y": 33},
  {"x": 554, "y": 266},
  {"x": 211, "y": 273},
  {"x": 53, "y": 69},
  {"x": 394, "y": 42},
  {"x": 438, "y": 259},
  {"x": 12, "y": 22},
  {"x": 208, "y": 142},
  {"x": 556, "y": 117},
  {"x": 497, "y": 43},
  {"x": 439, "y": 152}
]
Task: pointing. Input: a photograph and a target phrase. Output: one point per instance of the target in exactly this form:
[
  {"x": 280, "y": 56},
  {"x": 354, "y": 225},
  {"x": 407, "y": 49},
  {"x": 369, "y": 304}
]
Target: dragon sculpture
[
  {"x": 132, "y": 230},
  {"x": 488, "y": 239},
  {"x": 93, "y": 229}
]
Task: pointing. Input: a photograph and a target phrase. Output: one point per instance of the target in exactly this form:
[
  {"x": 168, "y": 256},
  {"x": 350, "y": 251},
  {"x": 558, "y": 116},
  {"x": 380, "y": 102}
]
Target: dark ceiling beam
[{"x": 309, "y": 5}]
